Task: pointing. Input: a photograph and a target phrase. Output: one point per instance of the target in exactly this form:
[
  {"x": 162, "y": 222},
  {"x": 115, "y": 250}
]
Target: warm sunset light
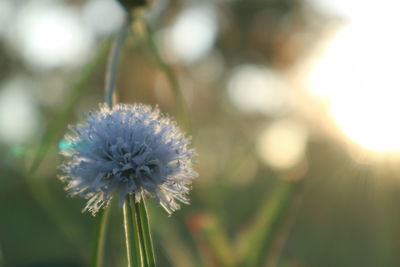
[
  {"x": 357, "y": 75},
  {"x": 152, "y": 133}
]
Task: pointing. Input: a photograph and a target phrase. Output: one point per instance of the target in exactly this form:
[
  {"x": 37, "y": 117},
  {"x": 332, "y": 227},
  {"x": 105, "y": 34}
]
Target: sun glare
[{"x": 357, "y": 76}]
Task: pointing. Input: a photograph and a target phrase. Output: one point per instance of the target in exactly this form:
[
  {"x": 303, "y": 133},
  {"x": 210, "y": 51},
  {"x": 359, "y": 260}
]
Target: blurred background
[{"x": 298, "y": 94}]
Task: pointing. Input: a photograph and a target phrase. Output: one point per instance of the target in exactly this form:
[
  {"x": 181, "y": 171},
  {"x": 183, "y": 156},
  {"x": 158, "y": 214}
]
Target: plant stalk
[
  {"x": 130, "y": 236},
  {"x": 112, "y": 65},
  {"x": 110, "y": 81},
  {"x": 145, "y": 232}
]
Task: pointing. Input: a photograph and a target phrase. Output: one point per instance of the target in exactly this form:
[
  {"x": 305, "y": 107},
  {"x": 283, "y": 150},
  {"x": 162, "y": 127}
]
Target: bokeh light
[
  {"x": 254, "y": 88},
  {"x": 193, "y": 33},
  {"x": 282, "y": 144},
  {"x": 7, "y": 8},
  {"x": 340, "y": 8},
  {"x": 19, "y": 116},
  {"x": 51, "y": 35},
  {"x": 94, "y": 12}
]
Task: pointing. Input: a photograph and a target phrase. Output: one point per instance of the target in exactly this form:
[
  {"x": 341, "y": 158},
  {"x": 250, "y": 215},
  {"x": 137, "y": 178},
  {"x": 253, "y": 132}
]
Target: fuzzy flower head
[{"x": 128, "y": 150}]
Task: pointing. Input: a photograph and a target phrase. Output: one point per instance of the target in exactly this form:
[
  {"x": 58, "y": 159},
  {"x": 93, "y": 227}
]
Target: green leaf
[
  {"x": 268, "y": 222},
  {"x": 212, "y": 238}
]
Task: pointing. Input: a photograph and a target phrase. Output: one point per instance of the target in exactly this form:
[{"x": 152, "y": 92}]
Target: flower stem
[
  {"x": 140, "y": 233},
  {"x": 139, "y": 250},
  {"x": 100, "y": 237},
  {"x": 113, "y": 59},
  {"x": 133, "y": 249},
  {"x": 146, "y": 233},
  {"x": 134, "y": 259}
]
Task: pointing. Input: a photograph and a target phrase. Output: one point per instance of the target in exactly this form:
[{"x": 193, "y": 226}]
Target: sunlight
[{"x": 356, "y": 75}]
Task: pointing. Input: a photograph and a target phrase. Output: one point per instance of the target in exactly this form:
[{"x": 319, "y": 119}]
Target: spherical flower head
[{"x": 128, "y": 150}]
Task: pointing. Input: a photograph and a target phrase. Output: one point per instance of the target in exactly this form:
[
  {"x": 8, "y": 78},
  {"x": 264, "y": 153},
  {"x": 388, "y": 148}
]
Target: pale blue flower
[{"x": 128, "y": 150}]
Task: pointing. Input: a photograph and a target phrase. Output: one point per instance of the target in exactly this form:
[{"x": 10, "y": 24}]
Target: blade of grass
[
  {"x": 62, "y": 114},
  {"x": 267, "y": 223},
  {"x": 279, "y": 241},
  {"x": 148, "y": 242},
  {"x": 180, "y": 254},
  {"x": 211, "y": 237},
  {"x": 39, "y": 191}
]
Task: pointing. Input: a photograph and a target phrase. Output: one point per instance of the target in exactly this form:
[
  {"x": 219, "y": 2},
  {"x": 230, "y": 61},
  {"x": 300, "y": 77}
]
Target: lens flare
[{"x": 356, "y": 75}]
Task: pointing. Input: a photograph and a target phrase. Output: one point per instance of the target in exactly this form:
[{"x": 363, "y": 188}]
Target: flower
[{"x": 128, "y": 150}]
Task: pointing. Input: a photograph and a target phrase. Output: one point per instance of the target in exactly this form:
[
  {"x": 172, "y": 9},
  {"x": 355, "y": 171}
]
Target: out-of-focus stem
[
  {"x": 278, "y": 243},
  {"x": 39, "y": 191},
  {"x": 212, "y": 239},
  {"x": 59, "y": 119},
  {"x": 111, "y": 73},
  {"x": 100, "y": 238},
  {"x": 182, "y": 109},
  {"x": 268, "y": 223},
  {"x": 113, "y": 59}
]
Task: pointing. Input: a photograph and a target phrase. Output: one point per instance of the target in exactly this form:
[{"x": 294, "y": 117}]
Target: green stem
[
  {"x": 131, "y": 236},
  {"x": 145, "y": 225},
  {"x": 134, "y": 259},
  {"x": 141, "y": 233},
  {"x": 182, "y": 109},
  {"x": 100, "y": 238},
  {"x": 139, "y": 250},
  {"x": 112, "y": 65}
]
